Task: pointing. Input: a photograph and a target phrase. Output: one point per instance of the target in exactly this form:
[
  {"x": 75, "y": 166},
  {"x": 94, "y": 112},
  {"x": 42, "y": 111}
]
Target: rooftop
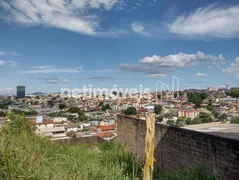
[{"x": 217, "y": 128}]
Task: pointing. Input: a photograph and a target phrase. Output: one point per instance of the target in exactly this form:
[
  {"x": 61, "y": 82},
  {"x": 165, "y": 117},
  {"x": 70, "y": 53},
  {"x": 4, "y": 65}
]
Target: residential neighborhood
[{"x": 63, "y": 117}]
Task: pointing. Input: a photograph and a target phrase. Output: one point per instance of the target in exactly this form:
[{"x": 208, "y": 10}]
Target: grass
[{"x": 27, "y": 156}]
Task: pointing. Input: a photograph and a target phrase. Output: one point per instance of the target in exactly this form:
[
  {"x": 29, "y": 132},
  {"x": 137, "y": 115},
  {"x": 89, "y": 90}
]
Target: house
[
  {"x": 53, "y": 132},
  {"x": 188, "y": 113},
  {"x": 59, "y": 119},
  {"x": 107, "y": 128}
]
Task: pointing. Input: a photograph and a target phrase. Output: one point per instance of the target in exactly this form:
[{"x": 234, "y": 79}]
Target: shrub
[{"x": 235, "y": 121}]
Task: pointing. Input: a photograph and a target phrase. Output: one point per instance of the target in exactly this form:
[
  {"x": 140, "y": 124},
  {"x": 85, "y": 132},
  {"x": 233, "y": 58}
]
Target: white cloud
[
  {"x": 233, "y": 68},
  {"x": 180, "y": 59},
  {"x": 200, "y": 74},
  {"x": 4, "y": 53},
  {"x": 52, "y": 81},
  {"x": 157, "y": 75},
  {"x": 12, "y": 63},
  {"x": 103, "y": 70},
  {"x": 211, "y": 21},
  {"x": 2, "y": 62},
  {"x": 50, "y": 69},
  {"x": 138, "y": 27},
  {"x": 166, "y": 64},
  {"x": 70, "y": 15},
  {"x": 7, "y": 90}
]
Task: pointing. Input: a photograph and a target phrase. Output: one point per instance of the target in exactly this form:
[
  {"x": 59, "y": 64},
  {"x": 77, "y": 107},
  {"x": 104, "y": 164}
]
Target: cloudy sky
[{"x": 49, "y": 44}]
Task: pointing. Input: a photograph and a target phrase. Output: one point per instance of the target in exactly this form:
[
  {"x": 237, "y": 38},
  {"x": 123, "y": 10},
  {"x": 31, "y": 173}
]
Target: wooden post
[{"x": 149, "y": 146}]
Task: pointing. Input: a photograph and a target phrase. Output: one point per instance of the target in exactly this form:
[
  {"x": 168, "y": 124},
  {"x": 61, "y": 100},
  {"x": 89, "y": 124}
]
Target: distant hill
[{"x": 38, "y": 93}]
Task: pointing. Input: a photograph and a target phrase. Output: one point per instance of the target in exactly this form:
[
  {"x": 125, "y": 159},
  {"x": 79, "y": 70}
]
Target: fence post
[{"x": 149, "y": 146}]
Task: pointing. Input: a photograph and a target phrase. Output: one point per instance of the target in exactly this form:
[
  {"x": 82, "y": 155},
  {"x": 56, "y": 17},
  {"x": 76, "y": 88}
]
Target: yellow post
[{"x": 149, "y": 146}]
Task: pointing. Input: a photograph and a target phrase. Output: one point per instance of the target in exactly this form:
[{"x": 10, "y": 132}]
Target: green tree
[
  {"x": 81, "y": 116},
  {"x": 170, "y": 123},
  {"x": 2, "y": 113},
  {"x": 130, "y": 111},
  {"x": 159, "y": 96},
  {"x": 103, "y": 108},
  {"x": 203, "y": 95},
  {"x": 196, "y": 120},
  {"x": 235, "y": 121},
  {"x": 159, "y": 118},
  {"x": 181, "y": 121},
  {"x": 101, "y": 104},
  {"x": 158, "y": 109},
  {"x": 188, "y": 121},
  {"x": 234, "y": 92},
  {"x": 107, "y": 106},
  {"x": 204, "y": 117},
  {"x": 62, "y": 106},
  {"x": 197, "y": 98},
  {"x": 223, "y": 117},
  {"x": 74, "y": 110},
  {"x": 50, "y": 103}
]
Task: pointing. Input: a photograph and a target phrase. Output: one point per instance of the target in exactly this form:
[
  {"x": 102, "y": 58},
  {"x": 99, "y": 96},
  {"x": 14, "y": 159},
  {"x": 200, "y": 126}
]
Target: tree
[
  {"x": 210, "y": 107},
  {"x": 197, "y": 101},
  {"x": 74, "y": 110},
  {"x": 197, "y": 98},
  {"x": 158, "y": 109},
  {"x": 234, "y": 92},
  {"x": 196, "y": 120},
  {"x": 235, "y": 121},
  {"x": 130, "y": 111},
  {"x": 37, "y": 97},
  {"x": 101, "y": 104},
  {"x": 2, "y": 113},
  {"x": 81, "y": 117},
  {"x": 159, "y": 118},
  {"x": 203, "y": 95},
  {"x": 170, "y": 123},
  {"x": 62, "y": 106},
  {"x": 35, "y": 103},
  {"x": 50, "y": 103},
  {"x": 188, "y": 120},
  {"x": 223, "y": 117},
  {"x": 103, "y": 108},
  {"x": 181, "y": 121},
  {"x": 107, "y": 106},
  {"x": 159, "y": 96},
  {"x": 204, "y": 117},
  {"x": 215, "y": 113}
]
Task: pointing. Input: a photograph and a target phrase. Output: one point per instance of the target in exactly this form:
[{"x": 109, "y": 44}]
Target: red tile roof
[
  {"x": 105, "y": 134},
  {"x": 107, "y": 128}
]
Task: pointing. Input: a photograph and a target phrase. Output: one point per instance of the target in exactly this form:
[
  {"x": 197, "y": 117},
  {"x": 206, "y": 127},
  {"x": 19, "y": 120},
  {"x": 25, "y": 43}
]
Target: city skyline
[{"x": 47, "y": 46}]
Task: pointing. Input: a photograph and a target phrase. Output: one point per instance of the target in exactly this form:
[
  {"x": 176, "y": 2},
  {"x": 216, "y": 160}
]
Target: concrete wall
[
  {"x": 81, "y": 140},
  {"x": 177, "y": 148}
]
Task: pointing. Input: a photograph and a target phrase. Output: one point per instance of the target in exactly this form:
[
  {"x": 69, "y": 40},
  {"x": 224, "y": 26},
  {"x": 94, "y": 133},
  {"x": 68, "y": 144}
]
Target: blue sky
[{"x": 47, "y": 45}]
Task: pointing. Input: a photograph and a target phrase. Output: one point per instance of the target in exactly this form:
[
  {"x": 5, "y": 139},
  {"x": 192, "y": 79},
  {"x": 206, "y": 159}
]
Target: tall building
[{"x": 20, "y": 91}]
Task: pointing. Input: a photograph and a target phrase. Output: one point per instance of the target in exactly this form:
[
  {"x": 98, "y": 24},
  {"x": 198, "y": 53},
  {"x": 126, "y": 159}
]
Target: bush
[
  {"x": 235, "y": 121},
  {"x": 26, "y": 155},
  {"x": 170, "y": 122},
  {"x": 158, "y": 109},
  {"x": 196, "y": 120},
  {"x": 130, "y": 111},
  {"x": 159, "y": 118}
]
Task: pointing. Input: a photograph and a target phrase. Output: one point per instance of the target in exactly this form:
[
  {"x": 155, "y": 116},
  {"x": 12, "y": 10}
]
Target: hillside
[{"x": 25, "y": 155}]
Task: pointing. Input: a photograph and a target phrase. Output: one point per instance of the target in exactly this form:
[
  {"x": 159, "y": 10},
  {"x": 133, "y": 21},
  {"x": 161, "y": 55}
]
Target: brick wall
[{"x": 177, "y": 148}]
